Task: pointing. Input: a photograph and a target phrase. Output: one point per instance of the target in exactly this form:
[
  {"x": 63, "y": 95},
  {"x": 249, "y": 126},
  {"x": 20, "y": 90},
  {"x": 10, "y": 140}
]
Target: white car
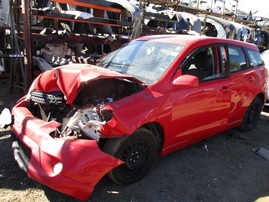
[
  {"x": 204, "y": 5},
  {"x": 265, "y": 57}
]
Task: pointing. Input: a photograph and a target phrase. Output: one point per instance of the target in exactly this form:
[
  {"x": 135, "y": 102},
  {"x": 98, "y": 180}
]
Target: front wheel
[
  {"x": 252, "y": 115},
  {"x": 138, "y": 151}
]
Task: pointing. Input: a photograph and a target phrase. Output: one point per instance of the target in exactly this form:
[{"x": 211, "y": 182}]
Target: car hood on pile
[{"x": 68, "y": 78}]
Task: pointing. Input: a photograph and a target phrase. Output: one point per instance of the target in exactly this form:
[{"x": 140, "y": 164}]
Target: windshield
[{"x": 144, "y": 60}]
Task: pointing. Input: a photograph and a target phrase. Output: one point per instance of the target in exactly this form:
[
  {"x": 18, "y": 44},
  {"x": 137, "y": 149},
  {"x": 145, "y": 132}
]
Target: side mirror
[
  {"x": 186, "y": 80},
  {"x": 243, "y": 65}
]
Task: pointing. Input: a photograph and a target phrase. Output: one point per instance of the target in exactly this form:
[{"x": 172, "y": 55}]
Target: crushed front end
[{"x": 58, "y": 129}]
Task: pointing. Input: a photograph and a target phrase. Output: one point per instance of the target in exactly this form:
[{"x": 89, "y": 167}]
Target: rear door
[{"x": 246, "y": 80}]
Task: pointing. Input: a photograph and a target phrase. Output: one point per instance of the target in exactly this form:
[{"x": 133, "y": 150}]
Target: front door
[{"x": 199, "y": 112}]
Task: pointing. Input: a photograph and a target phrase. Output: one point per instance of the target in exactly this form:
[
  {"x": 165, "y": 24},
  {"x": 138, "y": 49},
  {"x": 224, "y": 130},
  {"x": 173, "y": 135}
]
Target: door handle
[
  {"x": 251, "y": 79},
  {"x": 225, "y": 89}
]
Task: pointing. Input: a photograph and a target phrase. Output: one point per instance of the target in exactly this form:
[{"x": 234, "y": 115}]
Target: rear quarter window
[{"x": 254, "y": 58}]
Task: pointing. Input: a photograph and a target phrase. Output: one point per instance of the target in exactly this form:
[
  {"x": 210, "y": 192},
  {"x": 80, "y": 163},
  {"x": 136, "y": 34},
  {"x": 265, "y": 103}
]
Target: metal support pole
[{"x": 28, "y": 45}]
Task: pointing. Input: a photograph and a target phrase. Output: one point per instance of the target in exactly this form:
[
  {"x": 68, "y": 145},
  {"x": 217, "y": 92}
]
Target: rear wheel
[
  {"x": 138, "y": 151},
  {"x": 252, "y": 115}
]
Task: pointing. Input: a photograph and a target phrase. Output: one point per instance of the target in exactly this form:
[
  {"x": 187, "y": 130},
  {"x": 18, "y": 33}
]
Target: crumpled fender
[{"x": 132, "y": 112}]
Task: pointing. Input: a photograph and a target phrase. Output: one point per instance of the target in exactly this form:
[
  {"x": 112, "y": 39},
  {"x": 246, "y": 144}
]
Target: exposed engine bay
[{"x": 83, "y": 118}]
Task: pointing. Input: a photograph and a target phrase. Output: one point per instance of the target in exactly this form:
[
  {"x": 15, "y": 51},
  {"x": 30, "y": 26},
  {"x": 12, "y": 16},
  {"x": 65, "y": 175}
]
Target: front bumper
[{"x": 84, "y": 164}]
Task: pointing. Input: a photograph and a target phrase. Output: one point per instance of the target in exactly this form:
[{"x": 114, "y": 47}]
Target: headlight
[{"x": 57, "y": 168}]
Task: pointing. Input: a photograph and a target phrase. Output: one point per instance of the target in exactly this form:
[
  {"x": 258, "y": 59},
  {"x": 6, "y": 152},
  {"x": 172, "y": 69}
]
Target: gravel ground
[{"x": 221, "y": 168}]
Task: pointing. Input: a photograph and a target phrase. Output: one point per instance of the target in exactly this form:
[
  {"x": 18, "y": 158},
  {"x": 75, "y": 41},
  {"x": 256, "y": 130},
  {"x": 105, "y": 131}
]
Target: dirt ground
[{"x": 221, "y": 168}]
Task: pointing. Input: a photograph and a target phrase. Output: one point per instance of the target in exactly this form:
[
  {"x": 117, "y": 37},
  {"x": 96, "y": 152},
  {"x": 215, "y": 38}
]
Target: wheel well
[
  {"x": 261, "y": 96},
  {"x": 158, "y": 132},
  {"x": 154, "y": 127}
]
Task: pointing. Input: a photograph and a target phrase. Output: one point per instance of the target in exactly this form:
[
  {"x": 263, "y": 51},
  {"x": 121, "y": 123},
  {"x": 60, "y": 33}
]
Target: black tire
[
  {"x": 138, "y": 151},
  {"x": 252, "y": 115}
]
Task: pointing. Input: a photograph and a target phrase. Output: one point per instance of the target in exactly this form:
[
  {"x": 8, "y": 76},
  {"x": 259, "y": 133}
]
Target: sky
[
  {"x": 247, "y": 5},
  {"x": 260, "y": 5}
]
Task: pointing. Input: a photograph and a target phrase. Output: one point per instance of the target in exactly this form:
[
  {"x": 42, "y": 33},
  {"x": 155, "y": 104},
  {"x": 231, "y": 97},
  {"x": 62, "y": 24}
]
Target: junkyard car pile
[{"x": 146, "y": 99}]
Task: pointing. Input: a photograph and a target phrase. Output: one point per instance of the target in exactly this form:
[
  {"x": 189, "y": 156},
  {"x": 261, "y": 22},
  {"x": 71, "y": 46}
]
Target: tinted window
[
  {"x": 254, "y": 58},
  {"x": 237, "y": 58}
]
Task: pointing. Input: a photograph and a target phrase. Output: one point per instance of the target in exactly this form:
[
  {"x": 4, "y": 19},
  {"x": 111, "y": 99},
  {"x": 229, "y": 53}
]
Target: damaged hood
[{"x": 68, "y": 79}]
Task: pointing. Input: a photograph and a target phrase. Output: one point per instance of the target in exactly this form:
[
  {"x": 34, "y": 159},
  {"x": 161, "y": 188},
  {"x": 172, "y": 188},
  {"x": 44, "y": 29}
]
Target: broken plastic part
[
  {"x": 5, "y": 118},
  {"x": 91, "y": 129}
]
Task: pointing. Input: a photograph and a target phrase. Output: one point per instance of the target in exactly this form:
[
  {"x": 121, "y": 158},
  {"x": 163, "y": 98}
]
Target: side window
[
  {"x": 254, "y": 58},
  {"x": 204, "y": 63},
  {"x": 237, "y": 58},
  {"x": 200, "y": 64}
]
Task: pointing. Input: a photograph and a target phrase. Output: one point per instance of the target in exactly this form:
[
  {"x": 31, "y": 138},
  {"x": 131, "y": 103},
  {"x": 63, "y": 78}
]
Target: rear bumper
[{"x": 36, "y": 152}]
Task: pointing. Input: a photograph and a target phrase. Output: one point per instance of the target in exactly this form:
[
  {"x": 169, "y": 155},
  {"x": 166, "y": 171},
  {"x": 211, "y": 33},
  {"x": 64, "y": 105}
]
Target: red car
[{"x": 146, "y": 99}]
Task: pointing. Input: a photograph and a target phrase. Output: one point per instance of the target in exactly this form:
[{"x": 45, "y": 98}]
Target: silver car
[{"x": 265, "y": 57}]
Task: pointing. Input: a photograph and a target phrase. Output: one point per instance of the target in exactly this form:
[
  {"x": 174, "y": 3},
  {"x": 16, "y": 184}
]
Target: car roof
[{"x": 192, "y": 39}]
